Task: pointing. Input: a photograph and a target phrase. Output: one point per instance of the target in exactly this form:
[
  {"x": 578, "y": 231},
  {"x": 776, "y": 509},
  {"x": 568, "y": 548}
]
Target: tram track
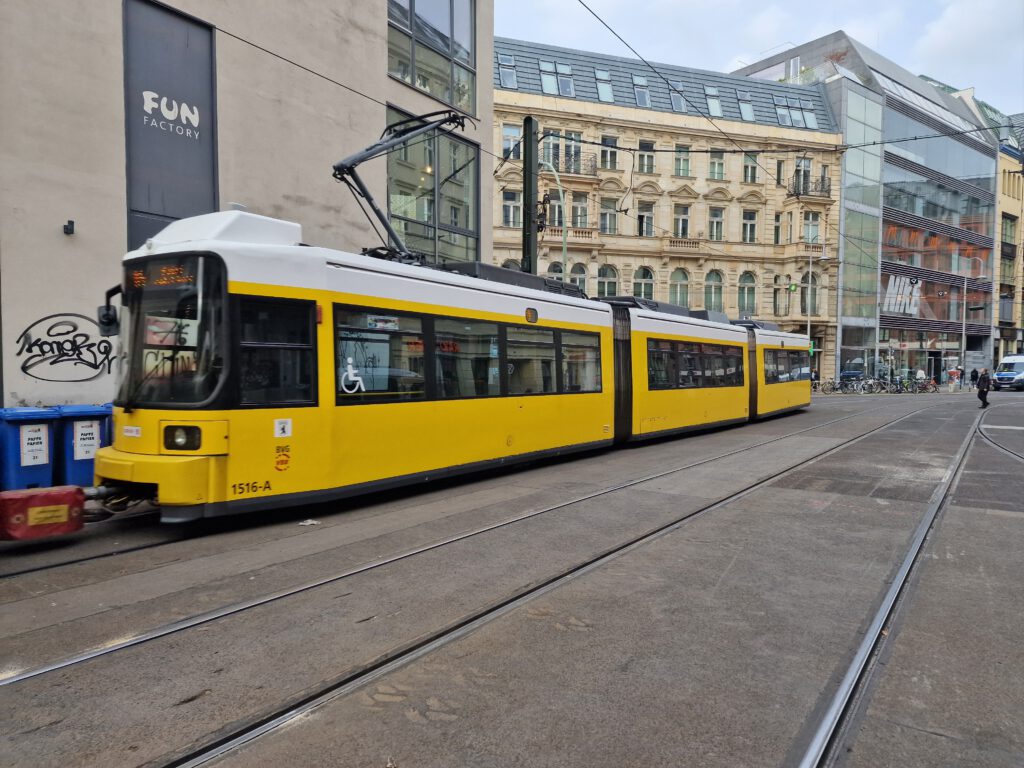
[
  {"x": 187, "y": 535},
  {"x": 826, "y": 745},
  {"x": 820, "y": 751},
  {"x": 995, "y": 443},
  {"x": 245, "y": 605},
  {"x": 236, "y": 736}
]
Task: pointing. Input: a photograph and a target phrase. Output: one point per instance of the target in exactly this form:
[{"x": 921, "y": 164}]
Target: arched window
[
  {"x": 745, "y": 294},
  {"x": 607, "y": 281},
  {"x": 555, "y": 271},
  {"x": 813, "y": 280},
  {"x": 780, "y": 295},
  {"x": 679, "y": 288},
  {"x": 512, "y": 264},
  {"x": 713, "y": 291},
  {"x": 578, "y": 276},
  {"x": 643, "y": 283}
]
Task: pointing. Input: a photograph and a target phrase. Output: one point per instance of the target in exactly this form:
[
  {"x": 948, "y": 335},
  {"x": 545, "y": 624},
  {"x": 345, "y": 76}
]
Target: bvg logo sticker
[
  {"x": 169, "y": 115},
  {"x": 283, "y": 458}
]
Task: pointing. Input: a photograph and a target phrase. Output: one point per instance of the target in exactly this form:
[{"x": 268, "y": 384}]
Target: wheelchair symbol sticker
[
  {"x": 282, "y": 427},
  {"x": 351, "y": 382}
]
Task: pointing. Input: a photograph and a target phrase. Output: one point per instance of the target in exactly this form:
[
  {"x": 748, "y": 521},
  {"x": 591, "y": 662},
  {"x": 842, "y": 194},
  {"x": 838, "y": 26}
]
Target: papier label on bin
[
  {"x": 35, "y": 444},
  {"x": 132, "y": 431},
  {"x": 87, "y": 439}
]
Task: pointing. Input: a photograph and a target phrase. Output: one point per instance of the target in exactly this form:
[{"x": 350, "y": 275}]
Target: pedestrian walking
[
  {"x": 974, "y": 378},
  {"x": 984, "y": 385},
  {"x": 961, "y": 375}
]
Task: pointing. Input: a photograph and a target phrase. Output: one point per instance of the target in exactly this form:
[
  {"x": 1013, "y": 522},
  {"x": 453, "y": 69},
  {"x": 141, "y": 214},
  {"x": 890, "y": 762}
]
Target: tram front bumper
[{"x": 178, "y": 480}]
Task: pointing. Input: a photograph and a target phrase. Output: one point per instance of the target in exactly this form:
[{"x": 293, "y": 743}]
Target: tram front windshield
[{"x": 172, "y": 331}]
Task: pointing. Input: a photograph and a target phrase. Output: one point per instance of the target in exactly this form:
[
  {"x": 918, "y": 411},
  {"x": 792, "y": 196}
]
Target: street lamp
[
  {"x": 963, "y": 315},
  {"x": 565, "y": 231}
]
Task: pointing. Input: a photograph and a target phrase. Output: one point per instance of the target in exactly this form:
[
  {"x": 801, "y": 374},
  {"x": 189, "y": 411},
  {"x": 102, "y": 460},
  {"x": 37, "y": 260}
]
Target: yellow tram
[{"x": 258, "y": 372}]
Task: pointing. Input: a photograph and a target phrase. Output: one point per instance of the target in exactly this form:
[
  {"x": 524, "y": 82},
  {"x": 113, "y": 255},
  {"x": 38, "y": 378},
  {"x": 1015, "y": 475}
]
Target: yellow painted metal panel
[
  {"x": 780, "y": 396},
  {"x": 668, "y": 409}
]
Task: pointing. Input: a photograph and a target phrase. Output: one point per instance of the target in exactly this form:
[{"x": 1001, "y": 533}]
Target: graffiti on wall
[{"x": 64, "y": 347}]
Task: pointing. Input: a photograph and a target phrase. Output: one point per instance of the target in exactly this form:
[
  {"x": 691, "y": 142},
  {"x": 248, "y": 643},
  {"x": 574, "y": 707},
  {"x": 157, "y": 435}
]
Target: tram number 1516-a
[{"x": 259, "y": 486}]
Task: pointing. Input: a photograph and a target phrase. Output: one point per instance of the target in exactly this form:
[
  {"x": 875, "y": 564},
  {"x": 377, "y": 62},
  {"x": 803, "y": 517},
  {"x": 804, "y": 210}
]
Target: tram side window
[
  {"x": 581, "y": 362},
  {"x": 782, "y": 365},
  {"x": 771, "y": 376},
  {"x": 801, "y": 362},
  {"x": 380, "y": 356},
  {"x": 662, "y": 368},
  {"x": 531, "y": 361},
  {"x": 733, "y": 367},
  {"x": 691, "y": 373},
  {"x": 277, "y": 352},
  {"x": 467, "y": 359}
]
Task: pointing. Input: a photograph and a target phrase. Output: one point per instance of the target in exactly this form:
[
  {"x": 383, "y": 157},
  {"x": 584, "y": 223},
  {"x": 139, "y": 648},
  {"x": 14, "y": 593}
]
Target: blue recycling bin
[
  {"x": 26, "y": 447},
  {"x": 83, "y": 430}
]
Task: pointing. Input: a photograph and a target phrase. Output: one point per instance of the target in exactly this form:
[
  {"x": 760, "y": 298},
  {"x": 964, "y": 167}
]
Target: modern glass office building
[{"x": 918, "y": 212}]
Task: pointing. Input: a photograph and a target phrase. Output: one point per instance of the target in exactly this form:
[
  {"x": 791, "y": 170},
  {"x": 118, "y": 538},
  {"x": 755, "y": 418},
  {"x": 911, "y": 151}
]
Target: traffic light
[{"x": 793, "y": 287}]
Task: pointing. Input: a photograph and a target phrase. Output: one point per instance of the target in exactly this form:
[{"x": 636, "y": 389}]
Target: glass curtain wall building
[{"x": 918, "y": 213}]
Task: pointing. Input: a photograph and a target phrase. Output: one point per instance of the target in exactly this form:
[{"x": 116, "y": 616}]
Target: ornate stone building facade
[{"x": 708, "y": 191}]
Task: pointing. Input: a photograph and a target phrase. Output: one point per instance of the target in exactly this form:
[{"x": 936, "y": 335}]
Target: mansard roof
[{"x": 763, "y": 96}]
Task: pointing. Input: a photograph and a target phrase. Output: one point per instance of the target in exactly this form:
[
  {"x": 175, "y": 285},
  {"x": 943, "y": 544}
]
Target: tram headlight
[{"x": 179, "y": 438}]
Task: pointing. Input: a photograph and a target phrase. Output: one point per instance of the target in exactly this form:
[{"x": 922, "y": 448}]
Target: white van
[{"x": 1009, "y": 373}]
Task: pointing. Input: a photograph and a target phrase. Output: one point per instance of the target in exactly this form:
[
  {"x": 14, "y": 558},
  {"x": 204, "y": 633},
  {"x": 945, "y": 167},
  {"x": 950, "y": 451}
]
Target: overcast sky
[{"x": 964, "y": 43}]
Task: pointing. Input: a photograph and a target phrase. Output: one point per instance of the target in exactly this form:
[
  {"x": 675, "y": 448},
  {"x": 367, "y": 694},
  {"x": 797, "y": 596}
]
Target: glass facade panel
[
  {"x": 940, "y": 153},
  {"x": 433, "y": 195},
  {"x": 921, "y": 248},
  {"x": 860, "y": 265},
  {"x": 916, "y": 194}
]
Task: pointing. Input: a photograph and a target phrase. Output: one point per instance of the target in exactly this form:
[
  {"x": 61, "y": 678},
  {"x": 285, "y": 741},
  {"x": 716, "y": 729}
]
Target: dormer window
[
  {"x": 714, "y": 103},
  {"x": 641, "y": 91},
  {"x": 604, "y": 85},
  {"x": 507, "y": 71},
  {"x": 566, "y": 87},
  {"x": 548, "y": 81},
  {"x": 676, "y": 94},
  {"x": 746, "y": 105}
]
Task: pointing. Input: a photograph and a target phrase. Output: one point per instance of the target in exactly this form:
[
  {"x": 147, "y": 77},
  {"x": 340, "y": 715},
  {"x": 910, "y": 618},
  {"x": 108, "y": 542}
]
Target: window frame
[
  {"x": 430, "y": 366},
  {"x": 716, "y": 163},
  {"x": 701, "y": 350},
  {"x": 718, "y": 230},
  {"x": 240, "y": 346},
  {"x": 681, "y": 161},
  {"x": 749, "y": 234}
]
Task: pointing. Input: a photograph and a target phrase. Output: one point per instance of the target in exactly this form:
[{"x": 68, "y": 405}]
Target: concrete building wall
[{"x": 284, "y": 116}]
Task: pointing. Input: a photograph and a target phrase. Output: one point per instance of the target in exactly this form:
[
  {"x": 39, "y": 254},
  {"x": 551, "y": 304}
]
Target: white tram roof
[
  {"x": 262, "y": 250},
  {"x": 765, "y": 336},
  {"x": 654, "y": 322}
]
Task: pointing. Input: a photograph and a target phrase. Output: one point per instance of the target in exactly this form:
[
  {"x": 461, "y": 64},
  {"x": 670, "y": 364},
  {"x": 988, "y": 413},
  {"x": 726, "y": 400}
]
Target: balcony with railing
[
  {"x": 573, "y": 235},
  {"x": 578, "y": 163},
  {"x": 804, "y": 186}
]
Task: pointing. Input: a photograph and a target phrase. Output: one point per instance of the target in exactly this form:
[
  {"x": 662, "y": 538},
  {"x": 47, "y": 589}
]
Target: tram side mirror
[{"x": 106, "y": 316}]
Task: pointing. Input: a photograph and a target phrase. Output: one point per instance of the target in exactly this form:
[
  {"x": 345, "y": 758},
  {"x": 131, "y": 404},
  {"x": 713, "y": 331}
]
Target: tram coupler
[{"x": 36, "y": 513}]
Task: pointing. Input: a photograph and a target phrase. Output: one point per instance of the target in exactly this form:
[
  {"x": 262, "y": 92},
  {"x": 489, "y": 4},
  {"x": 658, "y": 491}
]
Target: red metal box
[{"x": 39, "y": 512}]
